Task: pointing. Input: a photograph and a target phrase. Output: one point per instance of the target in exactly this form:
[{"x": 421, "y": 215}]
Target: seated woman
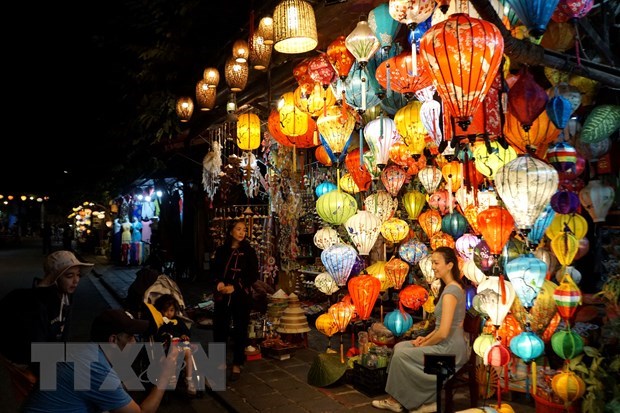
[{"x": 407, "y": 384}]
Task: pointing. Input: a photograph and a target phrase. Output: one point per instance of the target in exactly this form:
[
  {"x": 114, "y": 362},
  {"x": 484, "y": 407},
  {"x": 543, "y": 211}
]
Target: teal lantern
[
  {"x": 354, "y": 89},
  {"x": 567, "y": 344},
  {"x": 559, "y": 110},
  {"x": 454, "y": 224},
  {"x": 540, "y": 225},
  {"x": 324, "y": 188},
  {"x": 383, "y": 25},
  {"x": 527, "y": 274},
  {"x": 398, "y": 322},
  {"x": 534, "y": 14},
  {"x": 527, "y": 346}
]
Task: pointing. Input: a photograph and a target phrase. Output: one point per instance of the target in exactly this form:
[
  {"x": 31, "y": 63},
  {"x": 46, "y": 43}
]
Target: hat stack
[
  {"x": 293, "y": 320},
  {"x": 277, "y": 303}
]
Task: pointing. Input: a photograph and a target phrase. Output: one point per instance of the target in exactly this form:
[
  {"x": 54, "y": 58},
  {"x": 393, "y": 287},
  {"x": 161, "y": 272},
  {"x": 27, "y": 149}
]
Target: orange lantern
[
  {"x": 568, "y": 386},
  {"x": 567, "y": 297},
  {"x": 321, "y": 155},
  {"x": 301, "y": 75},
  {"x": 393, "y": 178},
  {"x": 364, "y": 290},
  {"x": 396, "y": 271},
  {"x": 340, "y": 57},
  {"x": 315, "y": 100},
  {"x": 305, "y": 140},
  {"x": 430, "y": 221},
  {"x": 400, "y": 69},
  {"x": 342, "y": 312},
  {"x": 453, "y": 174},
  {"x": 542, "y": 132},
  {"x": 248, "y": 131},
  {"x": 463, "y": 55},
  {"x": 347, "y": 184},
  {"x": 495, "y": 224},
  {"x": 441, "y": 239},
  {"x": 326, "y": 324},
  {"x": 413, "y": 296},
  {"x": 400, "y": 154},
  {"x": 360, "y": 173},
  {"x": 508, "y": 329}
]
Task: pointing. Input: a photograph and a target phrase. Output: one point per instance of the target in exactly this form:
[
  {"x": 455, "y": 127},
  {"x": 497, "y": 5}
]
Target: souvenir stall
[{"x": 380, "y": 155}]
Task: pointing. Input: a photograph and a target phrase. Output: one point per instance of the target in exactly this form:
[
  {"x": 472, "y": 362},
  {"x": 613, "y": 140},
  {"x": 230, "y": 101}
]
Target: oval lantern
[
  {"x": 321, "y": 70},
  {"x": 527, "y": 275},
  {"x": 565, "y": 247},
  {"x": 538, "y": 138},
  {"x": 364, "y": 290},
  {"x": 340, "y": 57},
  {"x": 483, "y": 257},
  {"x": 325, "y": 283},
  {"x": 454, "y": 224},
  {"x": 413, "y": 296},
  {"x": 338, "y": 260},
  {"x": 398, "y": 322},
  {"x": 482, "y": 343},
  {"x": 496, "y": 298},
  {"x": 396, "y": 271},
  {"x": 537, "y": 232},
  {"x": 597, "y": 198},
  {"x": 497, "y": 355},
  {"x": 562, "y": 156},
  {"x": 326, "y": 324},
  {"x": 363, "y": 230},
  {"x": 527, "y": 346},
  {"x": 380, "y": 135},
  {"x": 324, "y": 188},
  {"x": 441, "y": 239},
  {"x": 534, "y": 14},
  {"x": 394, "y": 230},
  {"x": 426, "y": 267},
  {"x": 559, "y": 110},
  {"x": 565, "y": 202},
  {"x": 495, "y": 224},
  {"x": 490, "y": 159},
  {"x": 567, "y": 344},
  {"x": 326, "y": 237},
  {"x": 393, "y": 178},
  {"x": 414, "y": 202},
  {"x": 381, "y": 204},
  {"x": 342, "y": 312},
  {"x": 336, "y": 126},
  {"x": 336, "y": 207},
  {"x": 410, "y": 127},
  {"x": 430, "y": 221},
  {"x": 248, "y": 131},
  {"x": 412, "y": 251},
  {"x": 575, "y": 223},
  {"x": 293, "y": 121},
  {"x": 430, "y": 178},
  {"x": 465, "y": 245},
  {"x": 568, "y": 386},
  {"x": 526, "y": 99},
  {"x": 315, "y": 100},
  {"x": 567, "y": 297},
  {"x": 473, "y": 273},
  {"x": 347, "y": 184}
]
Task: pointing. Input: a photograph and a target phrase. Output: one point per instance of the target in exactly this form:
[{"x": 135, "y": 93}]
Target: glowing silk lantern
[
  {"x": 381, "y": 134},
  {"x": 336, "y": 207},
  {"x": 326, "y": 324},
  {"x": 568, "y": 385},
  {"x": 321, "y": 70},
  {"x": 497, "y": 355},
  {"x": 393, "y": 178},
  {"x": 465, "y": 245},
  {"x": 377, "y": 270},
  {"x": 495, "y": 224},
  {"x": 347, "y": 184},
  {"x": 396, "y": 271},
  {"x": 430, "y": 178},
  {"x": 441, "y": 239},
  {"x": 362, "y": 42},
  {"x": 526, "y": 185},
  {"x": 370, "y": 162},
  {"x": 324, "y": 188},
  {"x": 567, "y": 344},
  {"x": 364, "y": 290},
  {"x": 430, "y": 115},
  {"x": 401, "y": 79},
  {"x": 381, "y": 204},
  {"x": 363, "y": 229},
  {"x": 473, "y": 273},
  {"x": 394, "y": 230},
  {"x": 414, "y": 202},
  {"x": 597, "y": 198},
  {"x": 454, "y": 224},
  {"x": 313, "y": 101},
  {"x": 383, "y": 25},
  {"x": 491, "y": 157},
  {"x": 398, "y": 321},
  {"x": 496, "y": 297},
  {"x": 338, "y": 260},
  {"x": 482, "y": 343},
  {"x": 430, "y": 221},
  {"x": 574, "y": 223},
  {"x": 413, "y": 296},
  {"x": 409, "y": 126},
  {"x": 453, "y": 174},
  {"x": 325, "y": 283},
  {"x": 567, "y": 297},
  {"x": 293, "y": 121},
  {"x": 362, "y": 91},
  {"x": 562, "y": 156},
  {"x": 537, "y": 138},
  {"x": 535, "y": 15},
  {"x": 527, "y": 274},
  {"x": 336, "y": 126},
  {"x": 248, "y": 131},
  {"x": 342, "y": 312},
  {"x": 340, "y": 57},
  {"x": 565, "y": 247},
  {"x": 441, "y": 200},
  {"x": 410, "y": 13},
  {"x": 559, "y": 110},
  {"x": 326, "y": 237},
  {"x": 412, "y": 251},
  {"x": 526, "y": 99},
  {"x": 358, "y": 171},
  {"x": 426, "y": 266},
  {"x": 565, "y": 202},
  {"x": 527, "y": 346},
  {"x": 469, "y": 47}
]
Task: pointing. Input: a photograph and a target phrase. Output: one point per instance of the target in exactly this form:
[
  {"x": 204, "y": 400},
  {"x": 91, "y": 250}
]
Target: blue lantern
[
  {"x": 527, "y": 346},
  {"x": 324, "y": 188},
  {"x": 527, "y": 275},
  {"x": 454, "y": 224},
  {"x": 470, "y": 293},
  {"x": 419, "y": 30},
  {"x": 381, "y": 56},
  {"x": 338, "y": 260},
  {"x": 534, "y": 14},
  {"x": 398, "y": 322},
  {"x": 412, "y": 251},
  {"x": 383, "y": 25},
  {"x": 353, "y": 88},
  {"x": 509, "y": 13},
  {"x": 540, "y": 225},
  {"x": 559, "y": 110}
]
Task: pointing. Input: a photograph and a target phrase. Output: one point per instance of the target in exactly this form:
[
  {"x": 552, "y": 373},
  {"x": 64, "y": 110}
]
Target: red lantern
[
  {"x": 413, "y": 296},
  {"x": 321, "y": 70},
  {"x": 497, "y": 355},
  {"x": 340, "y": 57},
  {"x": 401, "y": 78},
  {"x": 360, "y": 174},
  {"x": 463, "y": 55},
  {"x": 301, "y": 75},
  {"x": 571, "y": 10},
  {"x": 364, "y": 290},
  {"x": 526, "y": 99},
  {"x": 495, "y": 224}
]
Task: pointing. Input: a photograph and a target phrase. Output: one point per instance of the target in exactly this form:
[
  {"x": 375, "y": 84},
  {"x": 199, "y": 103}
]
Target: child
[{"x": 172, "y": 328}]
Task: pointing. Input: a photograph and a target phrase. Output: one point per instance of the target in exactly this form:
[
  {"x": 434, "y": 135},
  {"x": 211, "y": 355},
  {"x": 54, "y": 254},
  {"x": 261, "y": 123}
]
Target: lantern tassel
[
  {"x": 414, "y": 59},
  {"x": 341, "y": 349},
  {"x": 387, "y": 79},
  {"x": 533, "y": 391},
  {"x": 294, "y": 158},
  {"x": 361, "y": 144},
  {"x": 363, "y": 94}
]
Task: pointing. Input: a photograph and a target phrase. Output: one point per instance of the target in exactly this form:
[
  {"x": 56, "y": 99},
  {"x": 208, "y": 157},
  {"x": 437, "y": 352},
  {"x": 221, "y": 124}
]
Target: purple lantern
[
  {"x": 565, "y": 202},
  {"x": 465, "y": 245},
  {"x": 483, "y": 257}
]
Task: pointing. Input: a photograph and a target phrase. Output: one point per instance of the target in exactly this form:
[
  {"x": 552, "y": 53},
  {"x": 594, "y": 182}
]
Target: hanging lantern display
[
  {"x": 472, "y": 272},
  {"x": 326, "y": 237},
  {"x": 248, "y": 131},
  {"x": 336, "y": 126},
  {"x": 526, "y": 274},
  {"x": 597, "y": 198},
  {"x": 321, "y": 155},
  {"x": 527, "y": 346},
  {"x": 568, "y": 385},
  {"x": 396, "y": 271},
  {"x": 381, "y": 204},
  {"x": 361, "y": 90},
  {"x": 293, "y": 121},
  {"x": 342, "y": 312},
  {"x": 426, "y": 267},
  {"x": 430, "y": 221},
  {"x": 260, "y": 51},
  {"x": 325, "y": 283},
  {"x": 377, "y": 270},
  {"x": 326, "y": 324},
  {"x": 491, "y": 157},
  {"x": 565, "y": 247},
  {"x": 537, "y": 138},
  {"x": 340, "y": 57},
  {"x": 469, "y": 47},
  {"x": 413, "y": 296},
  {"x": 347, "y": 184},
  {"x": 393, "y": 178},
  {"x": 540, "y": 315},
  {"x": 574, "y": 223},
  {"x": 430, "y": 178},
  {"x": 526, "y": 99},
  {"x": 362, "y": 42},
  {"x": 409, "y": 126},
  {"x": 567, "y": 344},
  {"x": 535, "y": 15},
  {"x": 357, "y": 169},
  {"x": 454, "y": 224},
  {"x": 184, "y": 108},
  {"x": 363, "y": 229},
  {"x": 496, "y": 298},
  {"x": 496, "y": 224},
  {"x": 336, "y": 207},
  {"x": 412, "y": 251},
  {"x": 465, "y": 245},
  {"x": 313, "y": 101},
  {"x": 396, "y": 74},
  {"x": 383, "y": 25},
  {"x": 430, "y": 115},
  {"x": 482, "y": 343},
  {"x": 394, "y": 230},
  {"x": 381, "y": 134},
  {"x": 414, "y": 201},
  {"x": 236, "y": 74},
  {"x": 338, "y": 260},
  {"x": 211, "y": 77},
  {"x": 442, "y": 201},
  {"x": 453, "y": 175},
  {"x": 364, "y": 290},
  {"x": 294, "y": 26},
  {"x": 567, "y": 297},
  {"x": 526, "y": 185},
  {"x": 324, "y": 188},
  {"x": 565, "y": 202},
  {"x": 398, "y": 321}
]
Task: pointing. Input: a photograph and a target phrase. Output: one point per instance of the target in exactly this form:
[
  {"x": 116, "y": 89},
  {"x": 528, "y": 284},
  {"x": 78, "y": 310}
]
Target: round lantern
[
  {"x": 315, "y": 100},
  {"x": 383, "y": 25},
  {"x": 465, "y": 245},
  {"x": 409, "y": 125},
  {"x": 293, "y": 121},
  {"x": 414, "y": 201},
  {"x": 490, "y": 158},
  {"x": 562, "y": 156},
  {"x": 338, "y": 260},
  {"x": 326, "y": 237},
  {"x": 342, "y": 312},
  {"x": 377, "y": 270},
  {"x": 496, "y": 224},
  {"x": 496, "y": 297},
  {"x": 471, "y": 47},
  {"x": 538, "y": 138},
  {"x": 482, "y": 343},
  {"x": 184, "y": 108},
  {"x": 568, "y": 386},
  {"x": 396, "y": 271},
  {"x": 527, "y": 274},
  {"x": 441, "y": 239},
  {"x": 381, "y": 204},
  {"x": 364, "y": 290},
  {"x": 363, "y": 229},
  {"x": 597, "y": 198},
  {"x": 394, "y": 230},
  {"x": 430, "y": 221},
  {"x": 542, "y": 312},
  {"x": 325, "y": 283},
  {"x": 326, "y": 324},
  {"x": 527, "y": 346},
  {"x": 483, "y": 257},
  {"x": 413, "y": 296},
  {"x": 412, "y": 251},
  {"x": 361, "y": 90},
  {"x": 381, "y": 134},
  {"x": 567, "y": 344},
  {"x": 509, "y": 329},
  {"x": 430, "y": 178},
  {"x": 559, "y": 36},
  {"x": 398, "y": 322},
  {"x": 321, "y": 70},
  {"x": 453, "y": 174},
  {"x": 347, "y": 184},
  {"x": 402, "y": 83},
  {"x": 575, "y": 223},
  {"x": 567, "y": 297},
  {"x": 565, "y": 202},
  {"x": 441, "y": 200},
  {"x": 336, "y": 126},
  {"x": 454, "y": 224},
  {"x": 324, "y": 188},
  {"x": 497, "y": 355},
  {"x": 336, "y": 207},
  {"x": 393, "y": 178}
]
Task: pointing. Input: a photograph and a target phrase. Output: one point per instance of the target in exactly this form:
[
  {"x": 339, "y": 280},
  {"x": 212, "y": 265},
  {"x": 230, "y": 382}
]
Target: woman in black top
[{"x": 235, "y": 269}]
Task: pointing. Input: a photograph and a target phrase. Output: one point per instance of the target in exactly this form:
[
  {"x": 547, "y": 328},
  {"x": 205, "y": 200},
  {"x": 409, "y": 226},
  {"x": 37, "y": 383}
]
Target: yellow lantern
[
  {"x": 482, "y": 343},
  {"x": 577, "y": 225},
  {"x": 336, "y": 207},
  {"x": 248, "y": 131},
  {"x": 489, "y": 162},
  {"x": 336, "y": 126},
  {"x": 326, "y": 324},
  {"x": 342, "y": 312},
  {"x": 394, "y": 230},
  {"x": 378, "y": 271},
  {"x": 568, "y": 386},
  {"x": 347, "y": 184},
  {"x": 565, "y": 247},
  {"x": 453, "y": 174},
  {"x": 185, "y": 108},
  {"x": 414, "y": 201},
  {"x": 410, "y": 127},
  {"x": 381, "y": 204},
  {"x": 293, "y": 121},
  {"x": 315, "y": 101}
]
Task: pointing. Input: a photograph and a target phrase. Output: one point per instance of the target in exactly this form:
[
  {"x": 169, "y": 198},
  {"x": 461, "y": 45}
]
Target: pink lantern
[
  {"x": 393, "y": 178},
  {"x": 321, "y": 70}
]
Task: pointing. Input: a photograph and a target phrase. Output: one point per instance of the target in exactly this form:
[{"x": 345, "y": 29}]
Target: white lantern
[
  {"x": 326, "y": 237},
  {"x": 381, "y": 134},
  {"x": 381, "y": 204},
  {"x": 325, "y": 283},
  {"x": 430, "y": 178},
  {"x": 363, "y": 229},
  {"x": 597, "y": 198},
  {"x": 496, "y": 298}
]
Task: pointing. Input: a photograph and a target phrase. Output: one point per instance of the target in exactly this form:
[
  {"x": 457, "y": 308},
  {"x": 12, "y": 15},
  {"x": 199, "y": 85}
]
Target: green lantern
[
  {"x": 567, "y": 344},
  {"x": 336, "y": 207}
]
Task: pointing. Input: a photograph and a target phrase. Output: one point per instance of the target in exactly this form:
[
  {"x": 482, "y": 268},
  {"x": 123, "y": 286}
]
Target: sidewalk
[{"x": 270, "y": 385}]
